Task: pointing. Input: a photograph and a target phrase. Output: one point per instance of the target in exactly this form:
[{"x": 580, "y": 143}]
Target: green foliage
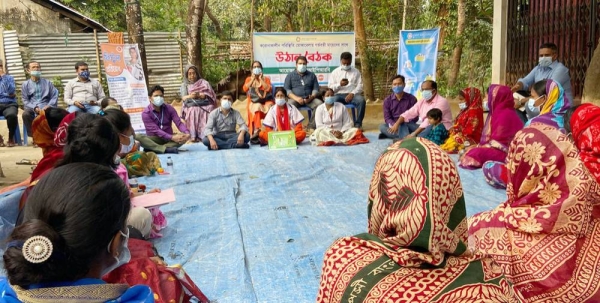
[{"x": 110, "y": 13}]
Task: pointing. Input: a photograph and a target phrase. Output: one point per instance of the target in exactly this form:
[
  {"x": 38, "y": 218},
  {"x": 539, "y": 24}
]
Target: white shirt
[{"x": 355, "y": 85}]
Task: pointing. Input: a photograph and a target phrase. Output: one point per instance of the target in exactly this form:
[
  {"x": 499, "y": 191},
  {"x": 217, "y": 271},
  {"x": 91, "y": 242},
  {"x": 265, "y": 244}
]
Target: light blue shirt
[{"x": 556, "y": 71}]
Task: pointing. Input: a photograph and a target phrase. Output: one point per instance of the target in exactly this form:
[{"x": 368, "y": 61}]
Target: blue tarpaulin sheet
[{"x": 252, "y": 225}]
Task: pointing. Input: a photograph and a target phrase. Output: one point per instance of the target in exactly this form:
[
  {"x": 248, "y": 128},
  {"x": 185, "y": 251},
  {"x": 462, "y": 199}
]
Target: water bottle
[
  {"x": 133, "y": 183},
  {"x": 170, "y": 169}
]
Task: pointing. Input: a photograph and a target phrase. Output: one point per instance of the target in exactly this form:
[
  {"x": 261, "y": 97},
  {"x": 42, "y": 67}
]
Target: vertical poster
[
  {"x": 417, "y": 57},
  {"x": 278, "y": 53},
  {"x": 125, "y": 76}
]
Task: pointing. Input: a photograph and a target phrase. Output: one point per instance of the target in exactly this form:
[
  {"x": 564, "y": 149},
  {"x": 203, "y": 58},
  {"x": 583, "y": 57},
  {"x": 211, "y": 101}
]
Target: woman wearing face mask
[
  {"x": 74, "y": 232},
  {"x": 468, "y": 125},
  {"x": 281, "y": 118},
  {"x": 334, "y": 125},
  {"x": 549, "y": 104},
  {"x": 199, "y": 100},
  {"x": 260, "y": 99}
]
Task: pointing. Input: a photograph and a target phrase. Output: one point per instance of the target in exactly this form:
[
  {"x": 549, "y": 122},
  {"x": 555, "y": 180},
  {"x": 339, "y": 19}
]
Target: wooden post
[
  {"x": 180, "y": 54},
  {"x": 97, "y": 56},
  {"x": 2, "y": 55}
]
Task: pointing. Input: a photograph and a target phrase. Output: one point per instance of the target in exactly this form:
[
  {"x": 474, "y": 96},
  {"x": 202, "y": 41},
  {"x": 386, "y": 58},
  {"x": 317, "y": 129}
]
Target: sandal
[{"x": 27, "y": 162}]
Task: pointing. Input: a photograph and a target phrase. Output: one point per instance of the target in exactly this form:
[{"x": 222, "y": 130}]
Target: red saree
[
  {"x": 585, "y": 127},
  {"x": 546, "y": 236},
  {"x": 468, "y": 125}
]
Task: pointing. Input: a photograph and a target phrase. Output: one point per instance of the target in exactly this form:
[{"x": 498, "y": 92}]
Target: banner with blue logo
[{"x": 417, "y": 57}]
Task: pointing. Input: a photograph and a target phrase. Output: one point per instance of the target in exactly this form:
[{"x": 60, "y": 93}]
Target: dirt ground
[{"x": 16, "y": 173}]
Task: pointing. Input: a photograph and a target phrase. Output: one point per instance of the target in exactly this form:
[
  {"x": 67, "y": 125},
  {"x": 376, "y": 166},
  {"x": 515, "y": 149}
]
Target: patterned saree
[
  {"x": 546, "y": 236},
  {"x": 585, "y": 125},
  {"x": 468, "y": 125},
  {"x": 416, "y": 248}
]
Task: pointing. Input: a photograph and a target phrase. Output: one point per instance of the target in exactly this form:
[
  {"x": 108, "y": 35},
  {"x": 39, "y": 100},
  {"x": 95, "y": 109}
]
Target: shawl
[
  {"x": 294, "y": 115},
  {"x": 200, "y": 86},
  {"x": 416, "y": 246},
  {"x": 502, "y": 122},
  {"x": 468, "y": 123},
  {"x": 545, "y": 236},
  {"x": 43, "y": 136},
  {"x": 554, "y": 108},
  {"x": 60, "y": 136},
  {"x": 585, "y": 127}
]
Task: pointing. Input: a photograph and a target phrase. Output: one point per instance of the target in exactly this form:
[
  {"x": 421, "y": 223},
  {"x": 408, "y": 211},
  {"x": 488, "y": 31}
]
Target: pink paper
[{"x": 154, "y": 199}]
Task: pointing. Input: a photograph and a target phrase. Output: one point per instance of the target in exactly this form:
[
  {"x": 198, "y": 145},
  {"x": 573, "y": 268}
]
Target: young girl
[{"x": 438, "y": 133}]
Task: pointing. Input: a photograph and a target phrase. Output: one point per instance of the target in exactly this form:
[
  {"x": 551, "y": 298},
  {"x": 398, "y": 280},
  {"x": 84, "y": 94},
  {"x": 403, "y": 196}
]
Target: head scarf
[
  {"x": 199, "y": 86},
  {"x": 502, "y": 122},
  {"x": 469, "y": 121},
  {"x": 554, "y": 108},
  {"x": 585, "y": 128},
  {"x": 43, "y": 136},
  {"x": 60, "y": 137},
  {"x": 540, "y": 234}
]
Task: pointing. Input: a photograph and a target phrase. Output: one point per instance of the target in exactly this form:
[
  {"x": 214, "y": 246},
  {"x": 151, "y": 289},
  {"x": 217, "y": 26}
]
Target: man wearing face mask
[
  {"x": 158, "y": 118},
  {"x": 302, "y": 87},
  {"x": 346, "y": 82},
  {"x": 220, "y": 131},
  {"x": 548, "y": 68},
  {"x": 395, "y": 105},
  {"x": 38, "y": 94},
  {"x": 83, "y": 94},
  {"x": 431, "y": 99}
]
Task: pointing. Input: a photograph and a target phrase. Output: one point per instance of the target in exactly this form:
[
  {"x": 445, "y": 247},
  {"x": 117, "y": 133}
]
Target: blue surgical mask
[
  {"x": 301, "y": 68},
  {"x": 158, "y": 101},
  {"x": 280, "y": 102},
  {"x": 257, "y": 70},
  {"x": 427, "y": 95},
  {"x": 85, "y": 74},
  {"x": 124, "y": 255},
  {"x": 226, "y": 104},
  {"x": 398, "y": 89},
  {"x": 330, "y": 100},
  {"x": 545, "y": 61},
  {"x": 36, "y": 73}
]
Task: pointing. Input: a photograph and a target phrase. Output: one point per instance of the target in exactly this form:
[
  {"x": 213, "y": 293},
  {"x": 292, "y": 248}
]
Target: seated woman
[
  {"x": 281, "y": 118},
  {"x": 260, "y": 99},
  {"x": 334, "y": 125},
  {"x": 199, "y": 100},
  {"x": 550, "y": 97},
  {"x": 584, "y": 127},
  {"x": 468, "y": 125},
  {"x": 74, "y": 232},
  {"x": 546, "y": 235},
  {"x": 500, "y": 128},
  {"x": 416, "y": 246},
  {"x": 136, "y": 162}
]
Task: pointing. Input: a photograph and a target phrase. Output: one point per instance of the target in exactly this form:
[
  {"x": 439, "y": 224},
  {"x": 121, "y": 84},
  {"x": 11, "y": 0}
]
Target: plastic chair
[
  {"x": 308, "y": 111},
  {"x": 353, "y": 110},
  {"x": 17, "y": 137}
]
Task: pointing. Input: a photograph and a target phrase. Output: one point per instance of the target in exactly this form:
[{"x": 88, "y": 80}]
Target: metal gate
[{"x": 573, "y": 25}]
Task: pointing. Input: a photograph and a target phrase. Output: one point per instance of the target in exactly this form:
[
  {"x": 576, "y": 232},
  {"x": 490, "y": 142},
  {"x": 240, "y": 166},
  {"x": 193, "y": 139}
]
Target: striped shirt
[
  {"x": 84, "y": 92},
  {"x": 7, "y": 88}
]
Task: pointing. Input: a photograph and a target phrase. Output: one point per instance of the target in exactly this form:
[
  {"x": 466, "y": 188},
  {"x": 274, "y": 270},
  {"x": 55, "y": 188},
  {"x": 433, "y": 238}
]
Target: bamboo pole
[
  {"x": 180, "y": 54},
  {"x": 97, "y": 56},
  {"x": 404, "y": 15}
]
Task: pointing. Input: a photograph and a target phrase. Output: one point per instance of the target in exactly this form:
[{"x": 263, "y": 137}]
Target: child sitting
[{"x": 438, "y": 133}]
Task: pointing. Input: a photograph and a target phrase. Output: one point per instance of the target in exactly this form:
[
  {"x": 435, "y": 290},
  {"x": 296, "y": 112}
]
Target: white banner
[
  {"x": 278, "y": 53},
  {"x": 126, "y": 84}
]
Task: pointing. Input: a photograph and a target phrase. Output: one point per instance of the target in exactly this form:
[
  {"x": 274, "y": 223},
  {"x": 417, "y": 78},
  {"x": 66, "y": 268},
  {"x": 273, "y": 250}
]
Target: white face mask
[
  {"x": 226, "y": 104},
  {"x": 427, "y": 95},
  {"x": 158, "y": 100},
  {"x": 301, "y": 68},
  {"x": 535, "y": 110},
  {"x": 280, "y": 102},
  {"x": 545, "y": 61},
  {"x": 462, "y": 105},
  {"x": 346, "y": 67},
  {"x": 257, "y": 70},
  {"x": 127, "y": 148},
  {"x": 124, "y": 255}
]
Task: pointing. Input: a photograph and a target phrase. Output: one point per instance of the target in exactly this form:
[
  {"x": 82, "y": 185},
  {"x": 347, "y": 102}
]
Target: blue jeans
[
  {"x": 90, "y": 109},
  {"x": 226, "y": 140},
  {"x": 404, "y": 130},
  {"x": 359, "y": 102}
]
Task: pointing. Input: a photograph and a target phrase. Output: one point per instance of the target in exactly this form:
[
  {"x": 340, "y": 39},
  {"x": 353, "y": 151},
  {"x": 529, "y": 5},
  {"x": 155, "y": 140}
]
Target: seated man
[
  {"x": 395, "y": 105},
  {"x": 220, "y": 130},
  {"x": 38, "y": 94},
  {"x": 334, "y": 125},
  {"x": 157, "y": 118},
  {"x": 346, "y": 82},
  {"x": 83, "y": 94},
  {"x": 302, "y": 87},
  {"x": 8, "y": 105},
  {"x": 430, "y": 100}
]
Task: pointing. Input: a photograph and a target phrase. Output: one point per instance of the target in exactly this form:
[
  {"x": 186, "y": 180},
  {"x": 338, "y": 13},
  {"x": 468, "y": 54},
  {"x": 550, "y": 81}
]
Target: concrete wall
[{"x": 27, "y": 17}]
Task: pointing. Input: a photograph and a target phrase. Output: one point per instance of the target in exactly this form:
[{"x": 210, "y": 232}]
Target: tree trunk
[
  {"x": 267, "y": 23},
  {"x": 289, "y": 22},
  {"x": 193, "y": 33},
  {"x": 135, "y": 31},
  {"x": 457, "y": 54},
  {"x": 591, "y": 89},
  {"x": 361, "y": 41},
  {"x": 215, "y": 21},
  {"x": 442, "y": 16}
]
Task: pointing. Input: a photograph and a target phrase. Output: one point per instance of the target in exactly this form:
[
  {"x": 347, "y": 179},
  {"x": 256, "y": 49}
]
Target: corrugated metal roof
[
  {"x": 14, "y": 63},
  {"x": 73, "y": 14}
]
